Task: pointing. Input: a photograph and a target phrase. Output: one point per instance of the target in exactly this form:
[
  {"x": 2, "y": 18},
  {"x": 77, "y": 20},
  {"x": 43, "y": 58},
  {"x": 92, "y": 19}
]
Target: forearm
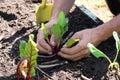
[
  {"x": 61, "y": 5},
  {"x": 107, "y": 29}
]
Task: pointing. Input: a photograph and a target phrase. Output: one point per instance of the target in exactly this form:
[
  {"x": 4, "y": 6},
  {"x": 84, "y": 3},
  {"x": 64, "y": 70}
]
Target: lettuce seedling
[
  {"x": 28, "y": 56},
  {"x": 58, "y": 31},
  {"x": 97, "y": 53}
]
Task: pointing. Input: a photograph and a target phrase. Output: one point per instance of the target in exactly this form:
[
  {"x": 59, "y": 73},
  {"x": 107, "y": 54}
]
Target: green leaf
[
  {"x": 56, "y": 31},
  {"x": 66, "y": 26},
  {"x": 61, "y": 19},
  {"x": 115, "y": 35},
  {"x": 63, "y": 22},
  {"x": 97, "y": 53},
  {"x": 31, "y": 37},
  {"x": 33, "y": 55},
  {"x": 44, "y": 29},
  {"x": 32, "y": 72},
  {"x": 22, "y": 48},
  {"x": 117, "y": 40},
  {"x": 64, "y": 29},
  {"x": 29, "y": 50},
  {"x": 70, "y": 42}
]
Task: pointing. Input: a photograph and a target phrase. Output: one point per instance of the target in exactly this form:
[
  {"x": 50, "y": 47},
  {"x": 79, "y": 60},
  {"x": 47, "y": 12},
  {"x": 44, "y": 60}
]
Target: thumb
[{"x": 52, "y": 40}]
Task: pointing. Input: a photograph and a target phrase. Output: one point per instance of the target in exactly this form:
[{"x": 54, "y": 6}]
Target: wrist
[
  {"x": 53, "y": 20},
  {"x": 104, "y": 32}
]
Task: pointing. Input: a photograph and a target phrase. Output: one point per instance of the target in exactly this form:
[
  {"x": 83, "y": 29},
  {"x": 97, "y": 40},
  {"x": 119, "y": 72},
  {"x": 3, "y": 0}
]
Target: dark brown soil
[{"x": 17, "y": 21}]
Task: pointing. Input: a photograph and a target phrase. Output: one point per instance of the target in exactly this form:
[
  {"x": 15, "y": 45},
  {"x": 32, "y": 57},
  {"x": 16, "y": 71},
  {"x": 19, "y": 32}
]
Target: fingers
[
  {"x": 82, "y": 54},
  {"x": 42, "y": 45},
  {"x": 76, "y": 52},
  {"x": 76, "y": 56},
  {"x": 42, "y": 50},
  {"x": 52, "y": 40},
  {"x": 75, "y": 49}
]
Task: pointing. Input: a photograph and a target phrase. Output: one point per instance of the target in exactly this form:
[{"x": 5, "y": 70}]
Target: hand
[
  {"x": 42, "y": 45},
  {"x": 80, "y": 50}
]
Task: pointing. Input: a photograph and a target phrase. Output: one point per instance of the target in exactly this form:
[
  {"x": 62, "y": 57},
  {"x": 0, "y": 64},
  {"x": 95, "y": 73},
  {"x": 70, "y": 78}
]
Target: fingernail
[
  {"x": 50, "y": 53},
  {"x": 59, "y": 53},
  {"x": 64, "y": 46},
  {"x": 49, "y": 48},
  {"x": 53, "y": 43}
]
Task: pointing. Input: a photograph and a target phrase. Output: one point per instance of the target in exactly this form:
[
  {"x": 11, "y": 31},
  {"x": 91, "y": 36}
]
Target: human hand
[
  {"x": 80, "y": 50},
  {"x": 42, "y": 45}
]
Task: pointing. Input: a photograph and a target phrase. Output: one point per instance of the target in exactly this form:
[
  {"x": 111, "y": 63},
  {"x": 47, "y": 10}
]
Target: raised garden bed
[{"x": 17, "y": 22}]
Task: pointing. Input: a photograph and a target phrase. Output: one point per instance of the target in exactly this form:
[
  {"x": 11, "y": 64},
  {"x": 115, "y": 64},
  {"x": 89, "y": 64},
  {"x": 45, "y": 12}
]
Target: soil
[{"x": 17, "y": 21}]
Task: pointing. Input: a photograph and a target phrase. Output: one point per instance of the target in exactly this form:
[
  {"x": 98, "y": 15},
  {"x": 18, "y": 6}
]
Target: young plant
[
  {"x": 58, "y": 31},
  {"x": 114, "y": 65},
  {"x": 28, "y": 56},
  {"x": 71, "y": 42}
]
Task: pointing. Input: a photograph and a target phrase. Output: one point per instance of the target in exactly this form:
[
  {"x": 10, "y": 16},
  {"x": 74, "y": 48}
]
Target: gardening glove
[
  {"x": 42, "y": 45},
  {"x": 80, "y": 50}
]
